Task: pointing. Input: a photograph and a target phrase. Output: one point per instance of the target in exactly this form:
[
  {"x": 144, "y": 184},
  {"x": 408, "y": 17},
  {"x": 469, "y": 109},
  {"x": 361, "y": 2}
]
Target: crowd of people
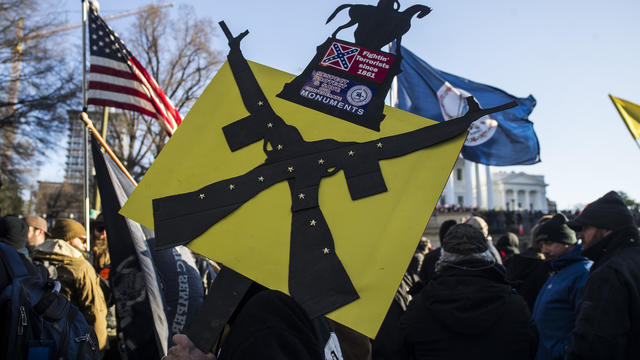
[{"x": 571, "y": 292}]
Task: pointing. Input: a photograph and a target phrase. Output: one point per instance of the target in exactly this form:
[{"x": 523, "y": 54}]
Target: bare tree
[
  {"x": 54, "y": 200},
  {"x": 36, "y": 84},
  {"x": 177, "y": 51}
]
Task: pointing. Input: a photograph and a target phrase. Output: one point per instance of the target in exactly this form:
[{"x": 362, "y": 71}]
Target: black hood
[{"x": 468, "y": 301}]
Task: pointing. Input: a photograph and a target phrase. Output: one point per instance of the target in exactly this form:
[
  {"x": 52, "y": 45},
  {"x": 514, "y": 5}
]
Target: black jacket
[
  {"x": 608, "y": 322},
  {"x": 272, "y": 326},
  {"x": 527, "y": 274},
  {"x": 468, "y": 314}
]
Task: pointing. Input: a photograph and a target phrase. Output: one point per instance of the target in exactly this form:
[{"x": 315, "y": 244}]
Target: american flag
[{"x": 117, "y": 79}]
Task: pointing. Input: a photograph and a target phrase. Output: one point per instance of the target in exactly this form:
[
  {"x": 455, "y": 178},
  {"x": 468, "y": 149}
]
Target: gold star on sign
[
  {"x": 290, "y": 169},
  {"x": 201, "y": 196},
  {"x": 279, "y": 147},
  {"x": 260, "y": 103},
  {"x": 326, "y": 251},
  {"x": 301, "y": 196},
  {"x": 231, "y": 187},
  {"x": 351, "y": 153},
  {"x": 261, "y": 179},
  {"x": 321, "y": 161},
  {"x": 379, "y": 145},
  {"x": 269, "y": 125},
  {"x": 312, "y": 222}
]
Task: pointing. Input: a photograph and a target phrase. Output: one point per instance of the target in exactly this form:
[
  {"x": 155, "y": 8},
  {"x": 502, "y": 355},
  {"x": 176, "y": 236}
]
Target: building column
[
  {"x": 468, "y": 184},
  {"x": 449, "y": 190},
  {"x": 489, "y": 187},
  {"x": 478, "y": 187},
  {"x": 544, "y": 207},
  {"x": 504, "y": 198},
  {"x": 527, "y": 201}
]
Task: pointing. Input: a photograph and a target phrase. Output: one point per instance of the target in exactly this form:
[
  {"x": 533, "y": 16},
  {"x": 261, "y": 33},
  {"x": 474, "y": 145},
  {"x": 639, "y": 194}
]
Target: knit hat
[
  {"x": 479, "y": 223},
  {"x": 608, "y": 212},
  {"x": 37, "y": 222},
  {"x": 464, "y": 239},
  {"x": 508, "y": 243},
  {"x": 13, "y": 231},
  {"x": 556, "y": 230},
  {"x": 67, "y": 230},
  {"x": 446, "y": 225}
]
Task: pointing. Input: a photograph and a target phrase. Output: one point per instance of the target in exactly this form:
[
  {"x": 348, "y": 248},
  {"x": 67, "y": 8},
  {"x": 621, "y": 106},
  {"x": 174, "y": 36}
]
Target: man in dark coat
[
  {"x": 468, "y": 310},
  {"x": 527, "y": 271},
  {"x": 608, "y": 322}
]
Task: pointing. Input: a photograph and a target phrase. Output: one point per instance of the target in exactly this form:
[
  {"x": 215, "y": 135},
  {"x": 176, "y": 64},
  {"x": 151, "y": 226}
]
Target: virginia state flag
[{"x": 504, "y": 138}]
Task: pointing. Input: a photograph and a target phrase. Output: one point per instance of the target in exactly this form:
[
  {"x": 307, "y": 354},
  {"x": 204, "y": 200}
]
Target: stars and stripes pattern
[
  {"x": 340, "y": 56},
  {"x": 117, "y": 79}
]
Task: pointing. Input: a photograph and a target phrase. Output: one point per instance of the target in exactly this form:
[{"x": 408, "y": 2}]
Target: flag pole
[
  {"x": 105, "y": 122},
  {"x": 85, "y": 133},
  {"x": 85, "y": 118}
]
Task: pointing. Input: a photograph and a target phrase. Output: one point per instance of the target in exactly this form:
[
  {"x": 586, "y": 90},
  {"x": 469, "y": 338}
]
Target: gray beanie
[{"x": 464, "y": 239}]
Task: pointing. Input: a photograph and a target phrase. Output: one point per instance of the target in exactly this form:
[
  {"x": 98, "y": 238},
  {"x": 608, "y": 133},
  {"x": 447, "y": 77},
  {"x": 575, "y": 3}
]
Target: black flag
[{"x": 143, "y": 329}]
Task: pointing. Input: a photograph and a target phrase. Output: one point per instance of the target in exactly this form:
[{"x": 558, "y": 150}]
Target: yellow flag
[
  {"x": 630, "y": 113},
  {"x": 375, "y": 237}
]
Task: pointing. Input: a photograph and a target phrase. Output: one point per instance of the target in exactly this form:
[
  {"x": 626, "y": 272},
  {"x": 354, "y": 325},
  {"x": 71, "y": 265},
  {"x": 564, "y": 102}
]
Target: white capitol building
[{"x": 475, "y": 185}]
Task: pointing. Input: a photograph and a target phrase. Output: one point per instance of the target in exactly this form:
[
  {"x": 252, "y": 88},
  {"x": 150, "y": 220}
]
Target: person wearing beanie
[
  {"x": 556, "y": 306},
  {"x": 608, "y": 321},
  {"x": 70, "y": 231},
  {"x": 508, "y": 246},
  {"x": 13, "y": 231},
  {"x": 468, "y": 310},
  {"x": 80, "y": 283},
  {"x": 480, "y": 224}
]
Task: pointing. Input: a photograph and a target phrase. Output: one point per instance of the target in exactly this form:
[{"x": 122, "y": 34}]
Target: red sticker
[{"x": 369, "y": 64}]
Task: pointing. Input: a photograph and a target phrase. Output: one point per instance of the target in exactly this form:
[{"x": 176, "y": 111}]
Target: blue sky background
[{"x": 569, "y": 54}]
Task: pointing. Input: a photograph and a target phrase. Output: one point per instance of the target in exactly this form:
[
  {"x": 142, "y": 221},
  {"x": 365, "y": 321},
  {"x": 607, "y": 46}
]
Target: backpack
[{"x": 38, "y": 322}]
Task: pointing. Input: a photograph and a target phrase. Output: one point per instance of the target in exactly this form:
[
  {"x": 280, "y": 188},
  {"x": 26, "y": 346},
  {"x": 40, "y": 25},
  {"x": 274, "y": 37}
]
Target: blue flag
[{"x": 504, "y": 138}]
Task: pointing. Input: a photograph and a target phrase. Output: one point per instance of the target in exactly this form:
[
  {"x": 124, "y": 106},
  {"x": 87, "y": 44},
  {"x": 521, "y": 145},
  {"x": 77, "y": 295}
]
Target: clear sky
[{"x": 569, "y": 54}]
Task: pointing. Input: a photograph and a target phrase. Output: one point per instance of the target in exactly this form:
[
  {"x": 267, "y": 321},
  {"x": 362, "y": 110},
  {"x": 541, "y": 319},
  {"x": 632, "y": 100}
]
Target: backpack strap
[{"x": 14, "y": 264}]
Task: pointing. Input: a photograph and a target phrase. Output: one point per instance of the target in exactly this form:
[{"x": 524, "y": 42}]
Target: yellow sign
[
  {"x": 630, "y": 113},
  {"x": 375, "y": 237}
]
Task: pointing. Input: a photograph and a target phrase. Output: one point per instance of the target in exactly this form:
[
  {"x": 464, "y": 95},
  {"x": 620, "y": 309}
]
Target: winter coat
[
  {"x": 608, "y": 323},
  {"x": 468, "y": 314},
  {"x": 527, "y": 273},
  {"x": 79, "y": 281},
  {"x": 556, "y": 307}
]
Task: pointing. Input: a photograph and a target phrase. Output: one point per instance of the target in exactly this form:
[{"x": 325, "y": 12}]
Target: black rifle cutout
[{"x": 318, "y": 280}]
